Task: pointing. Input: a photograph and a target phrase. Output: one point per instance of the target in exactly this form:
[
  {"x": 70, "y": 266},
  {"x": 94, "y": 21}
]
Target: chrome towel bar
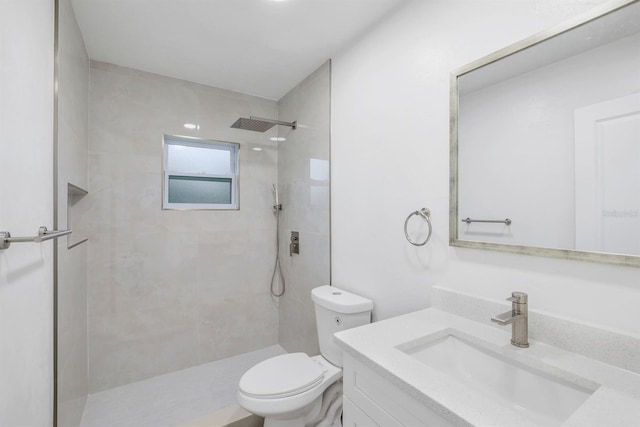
[
  {"x": 43, "y": 235},
  {"x": 424, "y": 213},
  {"x": 497, "y": 221}
]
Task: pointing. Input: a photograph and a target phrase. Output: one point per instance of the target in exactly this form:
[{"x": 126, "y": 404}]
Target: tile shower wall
[
  {"x": 73, "y": 133},
  {"x": 303, "y": 178},
  {"x": 172, "y": 289}
]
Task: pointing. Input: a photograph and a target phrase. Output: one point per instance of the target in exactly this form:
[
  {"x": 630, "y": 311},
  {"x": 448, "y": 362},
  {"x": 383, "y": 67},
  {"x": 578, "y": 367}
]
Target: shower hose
[{"x": 277, "y": 267}]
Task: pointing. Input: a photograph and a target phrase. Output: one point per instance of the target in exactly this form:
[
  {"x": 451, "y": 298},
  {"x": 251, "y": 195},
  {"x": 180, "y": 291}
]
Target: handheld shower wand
[{"x": 277, "y": 206}]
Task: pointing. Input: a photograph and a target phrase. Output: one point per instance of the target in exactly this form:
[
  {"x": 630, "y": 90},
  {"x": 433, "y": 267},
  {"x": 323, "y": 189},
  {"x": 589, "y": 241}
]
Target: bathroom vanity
[
  {"x": 433, "y": 367},
  {"x": 370, "y": 399}
]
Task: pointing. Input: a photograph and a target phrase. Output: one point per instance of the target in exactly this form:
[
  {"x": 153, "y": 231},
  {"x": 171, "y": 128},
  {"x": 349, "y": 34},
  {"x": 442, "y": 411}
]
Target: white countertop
[{"x": 615, "y": 402}]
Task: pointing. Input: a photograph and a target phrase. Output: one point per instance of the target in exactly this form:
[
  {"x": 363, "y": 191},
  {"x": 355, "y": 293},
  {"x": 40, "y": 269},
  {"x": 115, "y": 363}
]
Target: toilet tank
[{"x": 337, "y": 310}]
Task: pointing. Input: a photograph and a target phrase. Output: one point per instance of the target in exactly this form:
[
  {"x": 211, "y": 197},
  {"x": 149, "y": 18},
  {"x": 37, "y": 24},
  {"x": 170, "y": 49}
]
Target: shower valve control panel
[{"x": 294, "y": 244}]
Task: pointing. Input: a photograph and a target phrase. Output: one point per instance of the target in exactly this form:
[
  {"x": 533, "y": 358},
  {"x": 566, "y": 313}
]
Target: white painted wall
[
  {"x": 390, "y": 156},
  {"x": 26, "y": 202}
]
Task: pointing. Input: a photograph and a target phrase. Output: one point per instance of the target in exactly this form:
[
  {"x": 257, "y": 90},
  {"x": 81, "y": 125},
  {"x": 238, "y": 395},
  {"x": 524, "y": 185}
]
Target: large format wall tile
[
  {"x": 73, "y": 130},
  {"x": 303, "y": 177},
  {"x": 172, "y": 289}
]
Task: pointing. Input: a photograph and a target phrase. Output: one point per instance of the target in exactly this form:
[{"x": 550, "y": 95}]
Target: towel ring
[{"x": 425, "y": 214}]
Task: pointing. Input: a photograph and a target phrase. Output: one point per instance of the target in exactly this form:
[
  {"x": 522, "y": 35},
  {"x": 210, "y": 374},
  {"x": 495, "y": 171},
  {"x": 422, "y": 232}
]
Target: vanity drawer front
[
  {"x": 353, "y": 416},
  {"x": 365, "y": 405},
  {"x": 384, "y": 402}
]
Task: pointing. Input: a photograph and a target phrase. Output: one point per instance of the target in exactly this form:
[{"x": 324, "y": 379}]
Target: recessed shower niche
[{"x": 74, "y": 195}]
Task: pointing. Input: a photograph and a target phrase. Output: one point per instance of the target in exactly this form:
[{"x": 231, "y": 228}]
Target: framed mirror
[{"x": 545, "y": 142}]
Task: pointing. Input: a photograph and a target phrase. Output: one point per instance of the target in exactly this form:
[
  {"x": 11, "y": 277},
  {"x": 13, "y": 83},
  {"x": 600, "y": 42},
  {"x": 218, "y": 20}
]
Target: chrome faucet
[{"x": 518, "y": 316}]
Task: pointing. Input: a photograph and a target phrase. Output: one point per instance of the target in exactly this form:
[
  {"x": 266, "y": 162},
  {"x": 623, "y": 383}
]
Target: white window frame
[{"x": 232, "y": 147}]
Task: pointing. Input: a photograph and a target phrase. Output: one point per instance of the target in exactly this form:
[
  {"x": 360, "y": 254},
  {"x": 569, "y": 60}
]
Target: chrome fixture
[
  {"x": 425, "y": 214},
  {"x": 496, "y": 221},
  {"x": 518, "y": 316},
  {"x": 43, "y": 235},
  {"x": 294, "y": 245},
  {"x": 276, "y": 198},
  {"x": 258, "y": 124}
]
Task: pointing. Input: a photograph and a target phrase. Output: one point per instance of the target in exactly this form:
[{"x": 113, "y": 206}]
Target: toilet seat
[
  {"x": 301, "y": 397},
  {"x": 281, "y": 376}
]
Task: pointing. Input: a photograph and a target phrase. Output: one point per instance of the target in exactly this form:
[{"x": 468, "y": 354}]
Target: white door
[
  {"x": 26, "y": 203},
  {"x": 607, "y": 148}
]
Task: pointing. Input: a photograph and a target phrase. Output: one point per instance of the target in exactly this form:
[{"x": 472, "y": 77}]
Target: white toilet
[{"x": 296, "y": 390}]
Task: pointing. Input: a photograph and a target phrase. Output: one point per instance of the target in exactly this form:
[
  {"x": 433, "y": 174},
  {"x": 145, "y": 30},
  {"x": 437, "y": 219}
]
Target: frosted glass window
[
  {"x": 193, "y": 189},
  {"x": 189, "y": 159},
  {"x": 200, "y": 174}
]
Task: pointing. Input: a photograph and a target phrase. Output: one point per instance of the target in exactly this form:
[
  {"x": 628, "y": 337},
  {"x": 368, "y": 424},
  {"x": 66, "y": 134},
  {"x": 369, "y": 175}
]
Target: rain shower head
[
  {"x": 258, "y": 124},
  {"x": 251, "y": 124}
]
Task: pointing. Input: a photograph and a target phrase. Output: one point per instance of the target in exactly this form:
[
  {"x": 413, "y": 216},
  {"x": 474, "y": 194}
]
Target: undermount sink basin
[{"x": 538, "y": 396}]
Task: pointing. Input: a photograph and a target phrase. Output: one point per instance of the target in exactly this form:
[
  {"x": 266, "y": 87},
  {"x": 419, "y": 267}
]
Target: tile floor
[{"x": 175, "y": 398}]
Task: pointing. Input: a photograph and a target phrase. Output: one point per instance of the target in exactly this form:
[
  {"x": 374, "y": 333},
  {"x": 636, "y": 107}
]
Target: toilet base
[
  {"x": 330, "y": 415},
  {"x": 304, "y": 420},
  {"x": 326, "y": 411}
]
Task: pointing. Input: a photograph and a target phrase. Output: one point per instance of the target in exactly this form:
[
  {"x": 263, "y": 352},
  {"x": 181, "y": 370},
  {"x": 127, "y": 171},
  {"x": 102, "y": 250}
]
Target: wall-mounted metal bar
[
  {"x": 496, "y": 221},
  {"x": 292, "y": 125},
  {"x": 43, "y": 235}
]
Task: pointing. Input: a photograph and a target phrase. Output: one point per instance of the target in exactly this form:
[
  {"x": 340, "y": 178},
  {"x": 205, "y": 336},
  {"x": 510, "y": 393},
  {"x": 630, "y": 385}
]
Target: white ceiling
[{"x": 258, "y": 47}]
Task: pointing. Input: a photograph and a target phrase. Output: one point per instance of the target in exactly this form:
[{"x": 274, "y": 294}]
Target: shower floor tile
[{"x": 175, "y": 398}]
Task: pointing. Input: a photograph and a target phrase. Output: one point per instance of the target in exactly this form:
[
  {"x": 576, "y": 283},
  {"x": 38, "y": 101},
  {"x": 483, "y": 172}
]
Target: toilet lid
[{"x": 281, "y": 376}]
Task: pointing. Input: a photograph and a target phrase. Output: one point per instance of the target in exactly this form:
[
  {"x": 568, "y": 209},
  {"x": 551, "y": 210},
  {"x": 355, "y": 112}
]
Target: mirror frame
[{"x": 601, "y": 257}]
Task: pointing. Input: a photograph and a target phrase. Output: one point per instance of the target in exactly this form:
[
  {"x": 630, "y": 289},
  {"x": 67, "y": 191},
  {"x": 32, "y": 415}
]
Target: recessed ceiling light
[
  {"x": 278, "y": 138},
  {"x": 192, "y": 126},
  {"x": 257, "y": 149}
]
